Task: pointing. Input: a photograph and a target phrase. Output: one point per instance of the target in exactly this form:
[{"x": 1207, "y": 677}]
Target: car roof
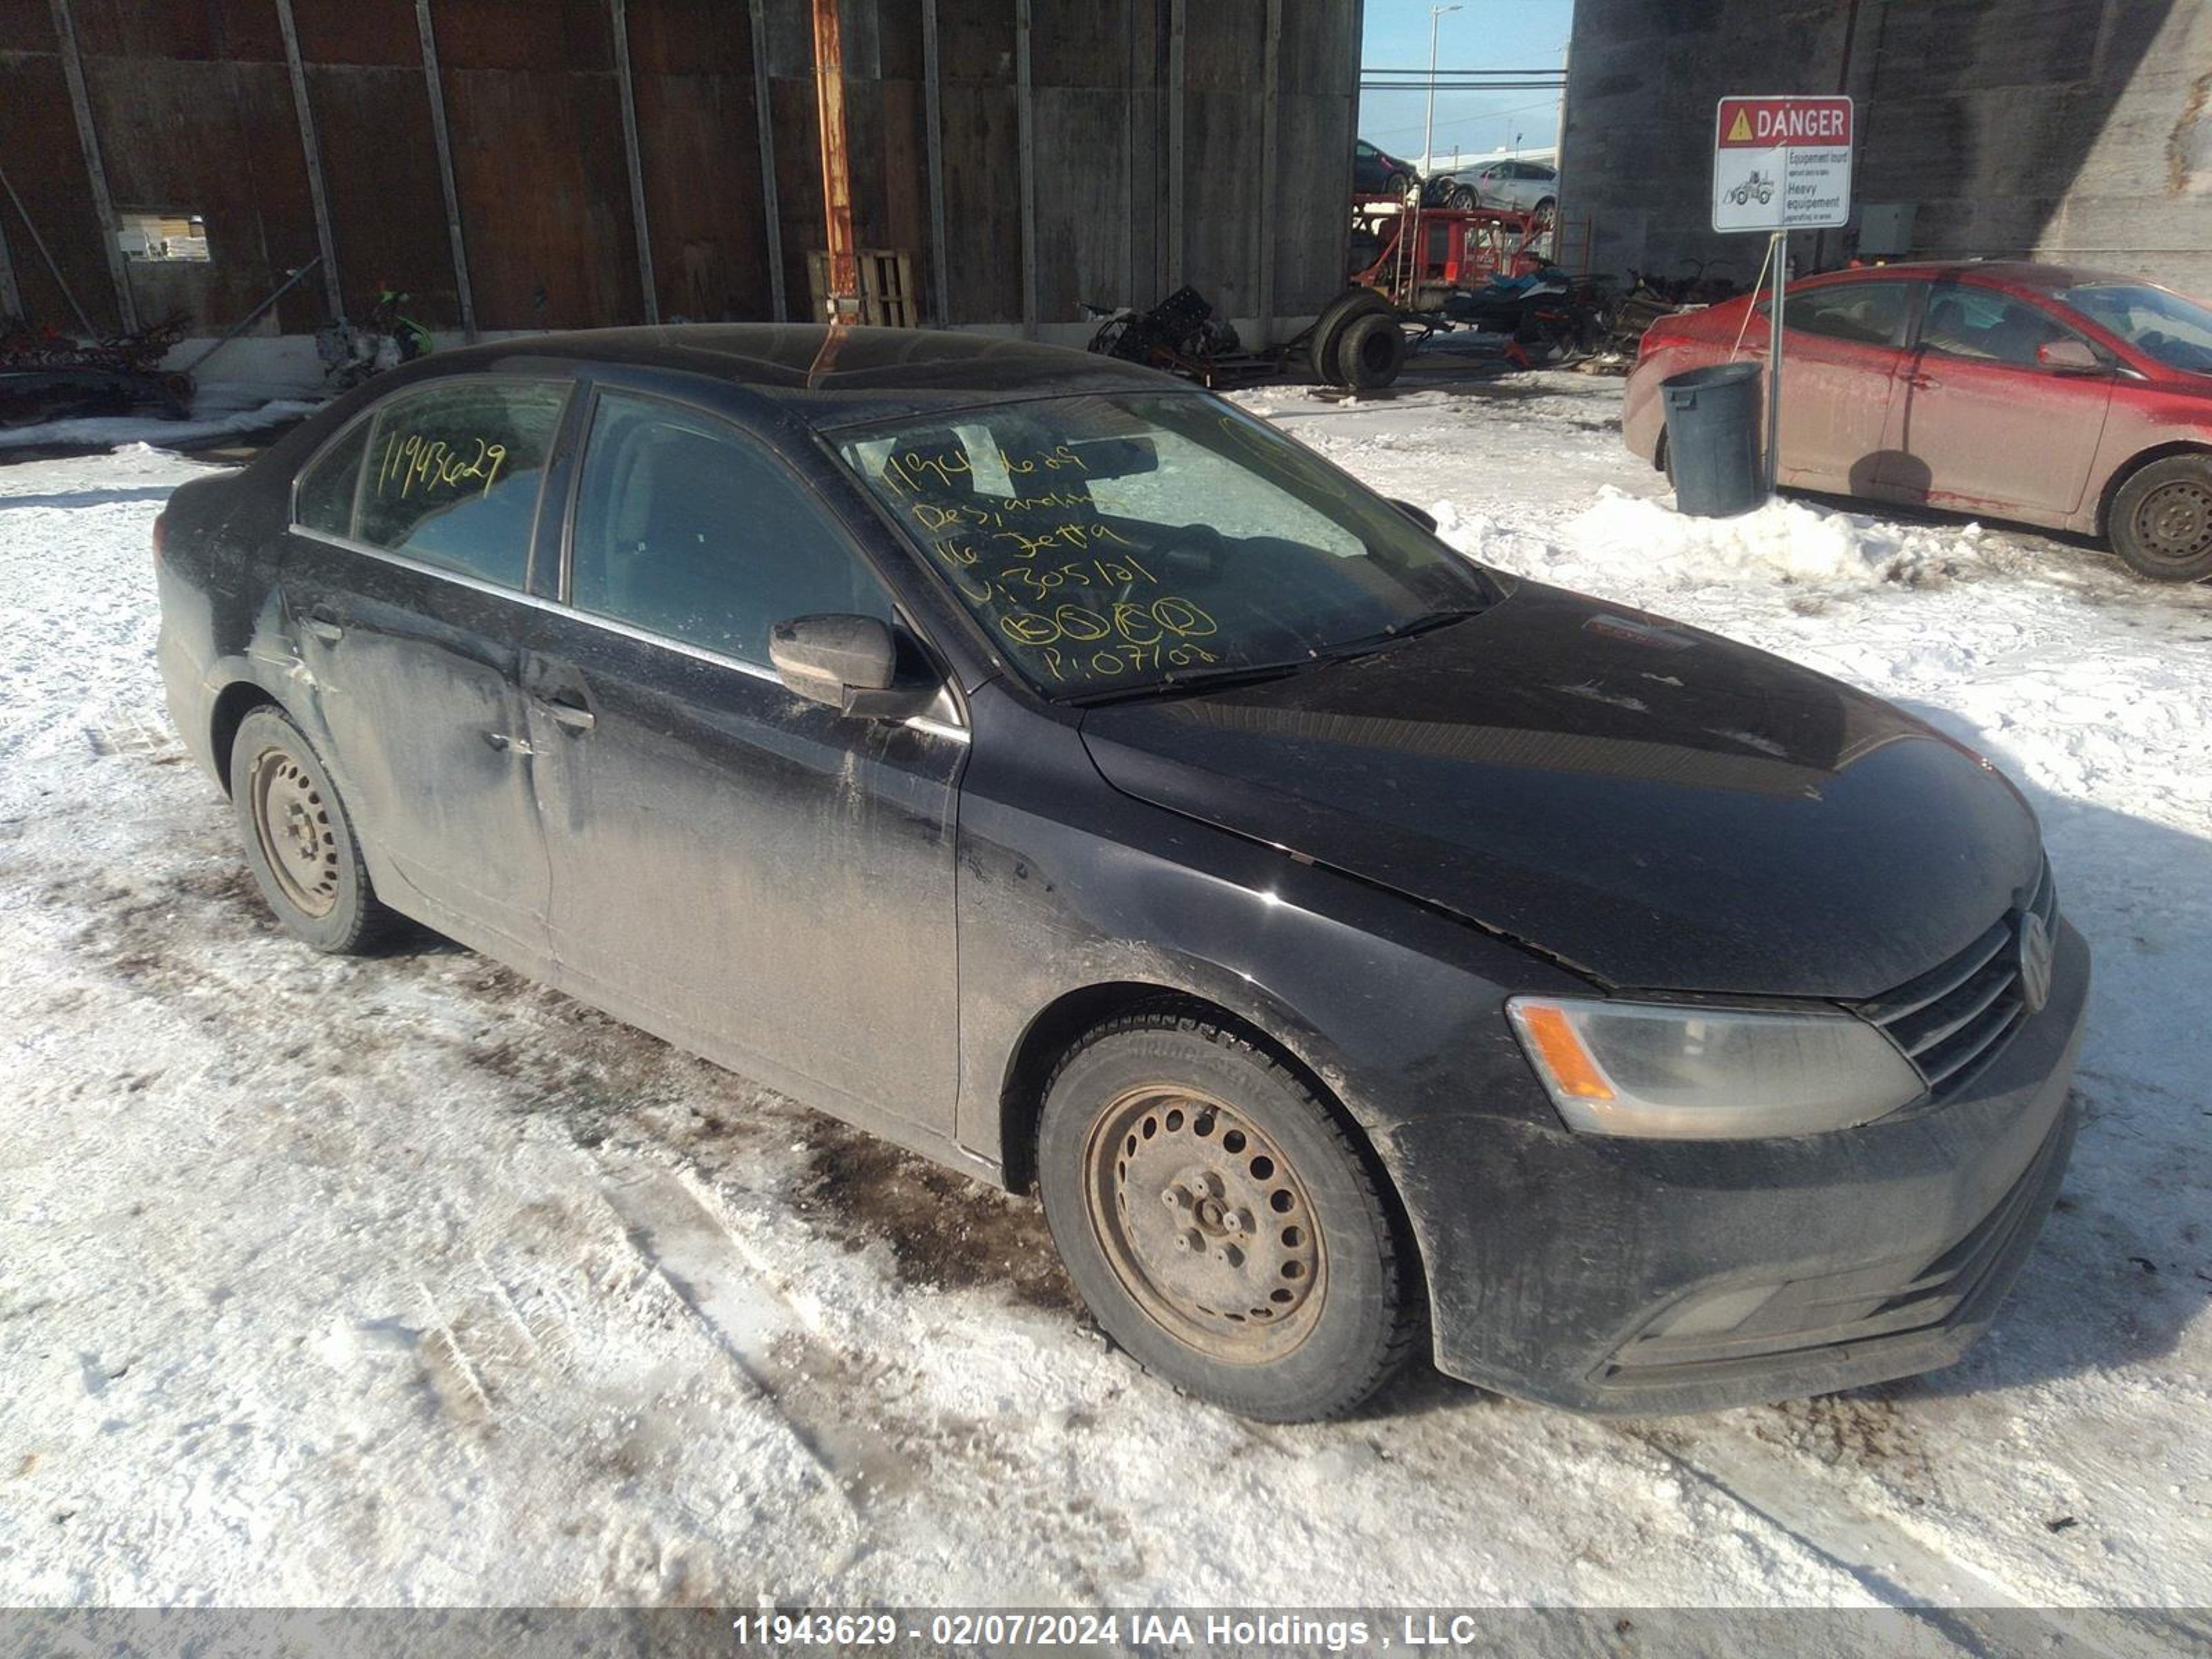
[
  {"x": 2018, "y": 273},
  {"x": 834, "y": 377}
]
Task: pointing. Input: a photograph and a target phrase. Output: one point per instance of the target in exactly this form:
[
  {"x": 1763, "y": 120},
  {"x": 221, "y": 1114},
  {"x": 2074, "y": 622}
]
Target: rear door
[
  {"x": 751, "y": 875},
  {"x": 1979, "y": 424},
  {"x": 404, "y": 578},
  {"x": 1841, "y": 350}
]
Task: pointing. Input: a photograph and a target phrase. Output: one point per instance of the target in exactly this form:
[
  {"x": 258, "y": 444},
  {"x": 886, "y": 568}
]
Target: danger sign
[{"x": 1782, "y": 163}]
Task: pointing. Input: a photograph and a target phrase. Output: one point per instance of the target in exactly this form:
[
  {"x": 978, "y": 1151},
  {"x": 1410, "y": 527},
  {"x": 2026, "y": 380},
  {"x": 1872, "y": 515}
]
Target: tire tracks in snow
[
  {"x": 793, "y": 1366},
  {"x": 1973, "y": 1611}
]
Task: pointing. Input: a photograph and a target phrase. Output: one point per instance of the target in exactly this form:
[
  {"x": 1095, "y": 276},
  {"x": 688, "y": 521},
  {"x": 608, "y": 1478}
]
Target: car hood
[{"x": 1652, "y": 805}]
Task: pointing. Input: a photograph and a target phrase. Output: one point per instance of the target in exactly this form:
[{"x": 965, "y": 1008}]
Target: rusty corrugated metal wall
[{"x": 1105, "y": 151}]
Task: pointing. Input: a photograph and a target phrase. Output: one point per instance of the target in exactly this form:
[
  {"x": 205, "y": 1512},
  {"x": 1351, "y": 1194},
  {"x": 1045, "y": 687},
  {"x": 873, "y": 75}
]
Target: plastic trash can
[{"x": 1713, "y": 438}]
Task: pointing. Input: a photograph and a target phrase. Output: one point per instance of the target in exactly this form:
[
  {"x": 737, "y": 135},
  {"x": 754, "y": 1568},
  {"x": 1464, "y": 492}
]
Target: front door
[
  {"x": 1840, "y": 349},
  {"x": 754, "y": 876},
  {"x": 1979, "y": 424},
  {"x": 404, "y": 579}
]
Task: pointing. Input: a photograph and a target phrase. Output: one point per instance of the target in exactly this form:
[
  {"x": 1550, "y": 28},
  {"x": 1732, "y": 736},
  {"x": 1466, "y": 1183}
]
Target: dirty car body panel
[
  {"x": 1951, "y": 409},
  {"x": 1360, "y": 861}
]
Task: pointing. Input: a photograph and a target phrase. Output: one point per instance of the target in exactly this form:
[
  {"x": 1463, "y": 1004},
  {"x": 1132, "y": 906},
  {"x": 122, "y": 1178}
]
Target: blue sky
[{"x": 1482, "y": 34}]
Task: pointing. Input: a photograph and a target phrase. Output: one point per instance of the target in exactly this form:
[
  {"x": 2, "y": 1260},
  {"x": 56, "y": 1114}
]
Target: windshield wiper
[
  {"x": 1342, "y": 649},
  {"x": 1215, "y": 678},
  {"x": 1192, "y": 679}
]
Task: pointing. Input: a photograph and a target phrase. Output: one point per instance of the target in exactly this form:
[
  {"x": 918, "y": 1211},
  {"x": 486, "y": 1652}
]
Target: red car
[{"x": 2076, "y": 399}]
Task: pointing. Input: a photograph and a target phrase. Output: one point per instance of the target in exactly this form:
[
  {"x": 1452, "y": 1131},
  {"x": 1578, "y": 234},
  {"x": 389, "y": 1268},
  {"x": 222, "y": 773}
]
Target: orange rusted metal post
[{"x": 844, "y": 297}]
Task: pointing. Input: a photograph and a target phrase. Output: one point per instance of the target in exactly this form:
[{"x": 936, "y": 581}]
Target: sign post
[{"x": 1779, "y": 165}]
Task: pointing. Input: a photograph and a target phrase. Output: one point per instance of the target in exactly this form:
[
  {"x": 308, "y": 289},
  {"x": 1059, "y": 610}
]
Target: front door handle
[
  {"x": 572, "y": 716},
  {"x": 323, "y": 623},
  {"x": 1921, "y": 382}
]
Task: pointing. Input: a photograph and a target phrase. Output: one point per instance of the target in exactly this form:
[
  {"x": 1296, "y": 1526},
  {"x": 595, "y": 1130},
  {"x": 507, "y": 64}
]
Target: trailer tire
[
  {"x": 1371, "y": 351},
  {"x": 1329, "y": 330}
]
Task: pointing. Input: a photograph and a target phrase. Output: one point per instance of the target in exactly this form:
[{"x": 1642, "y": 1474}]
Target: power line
[{"x": 1462, "y": 87}]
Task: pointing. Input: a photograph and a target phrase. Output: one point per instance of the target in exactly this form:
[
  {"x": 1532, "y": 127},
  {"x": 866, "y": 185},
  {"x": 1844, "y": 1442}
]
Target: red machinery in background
[{"x": 1416, "y": 257}]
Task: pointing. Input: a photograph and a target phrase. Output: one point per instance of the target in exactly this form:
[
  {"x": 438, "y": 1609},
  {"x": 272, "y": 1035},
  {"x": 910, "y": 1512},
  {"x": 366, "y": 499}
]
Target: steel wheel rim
[
  {"x": 292, "y": 821},
  {"x": 1208, "y": 1227},
  {"x": 2173, "y": 522}
]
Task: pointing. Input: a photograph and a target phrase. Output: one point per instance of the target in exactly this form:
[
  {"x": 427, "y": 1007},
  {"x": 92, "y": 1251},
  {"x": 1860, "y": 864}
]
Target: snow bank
[
  {"x": 110, "y": 431},
  {"x": 1649, "y": 541}
]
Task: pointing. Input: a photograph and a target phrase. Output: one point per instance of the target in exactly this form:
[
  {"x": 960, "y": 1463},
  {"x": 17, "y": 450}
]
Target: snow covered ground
[
  {"x": 220, "y": 410},
  {"x": 403, "y": 1281}
]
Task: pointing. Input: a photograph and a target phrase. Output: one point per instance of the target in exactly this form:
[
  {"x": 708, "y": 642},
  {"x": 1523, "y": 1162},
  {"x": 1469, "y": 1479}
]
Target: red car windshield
[{"x": 2156, "y": 321}]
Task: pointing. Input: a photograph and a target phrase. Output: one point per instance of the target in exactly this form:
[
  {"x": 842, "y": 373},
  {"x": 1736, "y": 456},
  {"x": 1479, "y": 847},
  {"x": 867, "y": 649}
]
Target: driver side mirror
[
  {"x": 850, "y": 663},
  {"x": 1426, "y": 521},
  {"x": 2068, "y": 357}
]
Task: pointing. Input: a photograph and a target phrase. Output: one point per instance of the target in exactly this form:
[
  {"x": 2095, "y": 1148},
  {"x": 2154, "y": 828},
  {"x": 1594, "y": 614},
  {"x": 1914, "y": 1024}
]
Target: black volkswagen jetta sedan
[{"x": 1052, "y": 768}]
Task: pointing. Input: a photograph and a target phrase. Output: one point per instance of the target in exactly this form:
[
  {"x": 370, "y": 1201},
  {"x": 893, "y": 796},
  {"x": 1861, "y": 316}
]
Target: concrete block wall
[{"x": 2075, "y": 130}]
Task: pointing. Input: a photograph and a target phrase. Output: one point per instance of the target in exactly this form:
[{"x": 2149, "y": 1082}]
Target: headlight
[{"x": 1681, "y": 1072}]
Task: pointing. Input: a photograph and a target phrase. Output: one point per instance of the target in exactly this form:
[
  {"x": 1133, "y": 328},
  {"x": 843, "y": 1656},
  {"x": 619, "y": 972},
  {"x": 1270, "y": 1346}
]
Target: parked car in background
[
  {"x": 1519, "y": 186},
  {"x": 1049, "y": 766},
  {"x": 2076, "y": 399},
  {"x": 1377, "y": 172}
]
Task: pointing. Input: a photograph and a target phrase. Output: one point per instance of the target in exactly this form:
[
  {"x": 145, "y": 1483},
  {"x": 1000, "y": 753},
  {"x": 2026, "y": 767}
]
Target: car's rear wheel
[
  {"x": 300, "y": 843},
  {"x": 2161, "y": 519},
  {"x": 1220, "y": 1224}
]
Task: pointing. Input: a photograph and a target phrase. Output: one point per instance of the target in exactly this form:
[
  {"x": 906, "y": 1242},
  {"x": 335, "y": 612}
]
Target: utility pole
[
  {"x": 1429, "y": 124},
  {"x": 1428, "y": 165}
]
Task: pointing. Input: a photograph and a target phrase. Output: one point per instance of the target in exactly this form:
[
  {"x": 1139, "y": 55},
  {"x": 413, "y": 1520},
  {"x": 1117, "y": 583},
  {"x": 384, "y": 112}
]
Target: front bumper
[{"x": 1619, "y": 1276}]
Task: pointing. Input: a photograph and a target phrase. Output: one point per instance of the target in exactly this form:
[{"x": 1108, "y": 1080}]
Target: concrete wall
[{"x": 2066, "y": 130}]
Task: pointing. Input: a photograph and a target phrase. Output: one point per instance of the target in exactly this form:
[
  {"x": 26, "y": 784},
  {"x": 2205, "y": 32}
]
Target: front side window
[
  {"x": 451, "y": 473},
  {"x": 1119, "y": 545},
  {"x": 1865, "y": 313},
  {"x": 1979, "y": 322},
  {"x": 2156, "y": 321},
  {"x": 687, "y": 529}
]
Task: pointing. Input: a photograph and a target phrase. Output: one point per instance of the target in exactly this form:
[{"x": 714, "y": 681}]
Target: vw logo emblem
[{"x": 2035, "y": 957}]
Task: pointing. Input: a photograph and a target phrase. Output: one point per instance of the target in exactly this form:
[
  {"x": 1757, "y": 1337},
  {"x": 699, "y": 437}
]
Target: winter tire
[
  {"x": 300, "y": 843},
  {"x": 2161, "y": 519},
  {"x": 1220, "y": 1222}
]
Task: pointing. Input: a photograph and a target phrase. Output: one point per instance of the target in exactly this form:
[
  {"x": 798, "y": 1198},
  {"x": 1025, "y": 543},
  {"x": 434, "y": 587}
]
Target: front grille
[
  {"x": 1951, "y": 1020},
  {"x": 1895, "y": 1298}
]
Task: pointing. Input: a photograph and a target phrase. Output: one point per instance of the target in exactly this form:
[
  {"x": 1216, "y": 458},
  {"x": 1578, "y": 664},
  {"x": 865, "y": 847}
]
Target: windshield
[
  {"x": 1116, "y": 545},
  {"x": 2156, "y": 322}
]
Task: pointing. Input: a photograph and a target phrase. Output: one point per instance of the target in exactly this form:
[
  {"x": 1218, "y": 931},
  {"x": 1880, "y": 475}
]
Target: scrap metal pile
[{"x": 47, "y": 376}]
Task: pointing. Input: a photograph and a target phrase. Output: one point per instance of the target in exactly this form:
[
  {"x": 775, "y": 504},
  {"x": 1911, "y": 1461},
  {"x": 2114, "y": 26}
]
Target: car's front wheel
[
  {"x": 1220, "y": 1222},
  {"x": 2161, "y": 519},
  {"x": 300, "y": 842}
]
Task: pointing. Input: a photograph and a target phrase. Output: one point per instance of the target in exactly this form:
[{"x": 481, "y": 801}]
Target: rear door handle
[
  {"x": 323, "y": 623},
  {"x": 573, "y": 716},
  {"x": 1921, "y": 382}
]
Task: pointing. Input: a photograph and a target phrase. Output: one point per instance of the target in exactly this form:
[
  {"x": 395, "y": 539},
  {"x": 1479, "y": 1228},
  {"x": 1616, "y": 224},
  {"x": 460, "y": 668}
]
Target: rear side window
[
  {"x": 686, "y": 529},
  {"x": 324, "y": 501},
  {"x": 452, "y": 473},
  {"x": 1866, "y": 313}
]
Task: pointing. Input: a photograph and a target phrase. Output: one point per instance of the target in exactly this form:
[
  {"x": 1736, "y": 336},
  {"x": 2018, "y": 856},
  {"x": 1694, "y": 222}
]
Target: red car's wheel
[{"x": 2161, "y": 519}]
